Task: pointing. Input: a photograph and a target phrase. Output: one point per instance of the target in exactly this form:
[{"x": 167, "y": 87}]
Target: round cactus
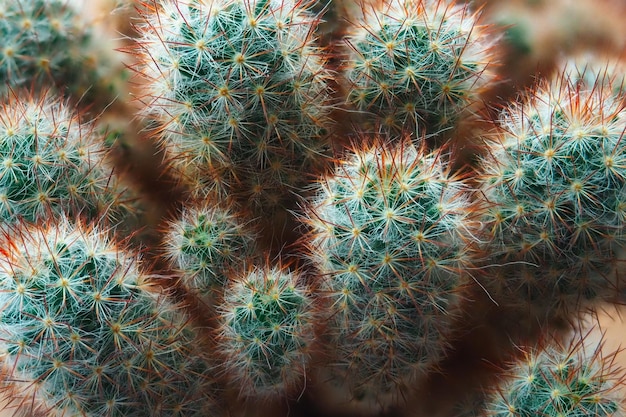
[
  {"x": 49, "y": 43},
  {"x": 554, "y": 180},
  {"x": 417, "y": 63},
  {"x": 52, "y": 163},
  {"x": 559, "y": 381},
  {"x": 266, "y": 331},
  {"x": 205, "y": 243},
  {"x": 386, "y": 235},
  {"x": 239, "y": 88},
  {"x": 83, "y": 333}
]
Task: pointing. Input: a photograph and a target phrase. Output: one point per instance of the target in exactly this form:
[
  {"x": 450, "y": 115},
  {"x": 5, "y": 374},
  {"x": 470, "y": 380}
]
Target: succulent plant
[
  {"x": 559, "y": 381},
  {"x": 238, "y": 87},
  {"x": 84, "y": 332},
  {"x": 52, "y": 163},
  {"x": 554, "y": 180},
  {"x": 417, "y": 63},
  {"x": 387, "y": 238},
  {"x": 266, "y": 331},
  {"x": 48, "y": 43},
  {"x": 204, "y": 243}
]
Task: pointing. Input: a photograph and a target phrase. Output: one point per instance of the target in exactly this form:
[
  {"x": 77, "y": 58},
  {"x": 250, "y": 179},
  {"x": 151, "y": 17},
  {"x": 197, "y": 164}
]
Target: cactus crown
[
  {"x": 47, "y": 43},
  {"x": 416, "y": 63}
]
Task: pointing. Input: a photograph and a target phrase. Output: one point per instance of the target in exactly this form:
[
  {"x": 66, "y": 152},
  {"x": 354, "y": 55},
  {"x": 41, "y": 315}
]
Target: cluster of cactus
[{"x": 379, "y": 241}]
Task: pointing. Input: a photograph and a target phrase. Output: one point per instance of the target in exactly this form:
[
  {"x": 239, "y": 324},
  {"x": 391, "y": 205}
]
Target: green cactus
[
  {"x": 204, "y": 243},
  {"x": 48, "y": 43},
  {"x": 84, "y": 334},
  {"x": 266, "y": 331},
  {"x": 417, "y": 63},
  {"x": 559, "y": 381},
  {"x": 386, "y": 235},
  {"x": 53, "y": 163},
  {"x": 239, "y": 88},
  {"x": 554, "y": 181}
]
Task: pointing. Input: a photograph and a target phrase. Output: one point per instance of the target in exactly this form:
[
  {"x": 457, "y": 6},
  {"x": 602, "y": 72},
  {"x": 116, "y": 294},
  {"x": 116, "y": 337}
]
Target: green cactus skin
[
  {"x": 417, "y": 63},
  {"x": 204, "y": 243},
  {"x": 554, "y": 181},
  {"x": 52, "y": 163},
  {"x": 386, "y": 235},
  {"x": 47, "y": 43},
  {"x": 266, "y": 333},
  {"x": 240, "y": 89},
  {"x": 83, "y": 333},
  {"x": 559, "y": 381}
]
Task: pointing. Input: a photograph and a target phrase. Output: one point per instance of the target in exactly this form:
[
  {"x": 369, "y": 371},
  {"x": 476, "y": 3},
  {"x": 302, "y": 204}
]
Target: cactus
[
  {"x": 386, "y": 235},
  {"x": 417, "y": 63},
  {"x": 558, "y": 381},
  {"x": 83, "y": 333},
  {"x": 53, "y": 163},
  {"x": 204, "y": 243},
  {"x": 48, "y": 43},
  {"x": 554, "y": 178},
  {"x": 266, "y": 331},
  {"x": 238, "y": 87}
]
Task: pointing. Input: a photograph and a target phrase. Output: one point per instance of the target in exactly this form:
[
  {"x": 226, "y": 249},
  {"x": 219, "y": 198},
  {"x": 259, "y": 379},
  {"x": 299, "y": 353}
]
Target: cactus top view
[{"x": 312, "y": 208}]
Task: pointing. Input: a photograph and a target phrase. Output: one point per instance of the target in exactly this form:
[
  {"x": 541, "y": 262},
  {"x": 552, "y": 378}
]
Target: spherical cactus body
[
  {"x": 205, "y": 243},
  {"x": 239, "y": 89},
  {"x": 83, "y": 332},
  {"x": 387, "y": 239},
  {"x": 559, "y": 381},
  {"x": 52, "y": 163},
  {"x": 554, "y": 180},
  {"x": 48, "y": 43},
  {"x": 266, "y": 333},
  {"x": 417, "y": 63}
]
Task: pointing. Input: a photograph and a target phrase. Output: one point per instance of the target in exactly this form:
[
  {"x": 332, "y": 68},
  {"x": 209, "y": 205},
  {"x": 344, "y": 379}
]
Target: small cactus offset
[
  {"x": 239, "y": 89},
  {"x": 84, "y": 334},
  {"x": 266, "y": 334},
  {"x": 387, "y": 236},
  {"x": 204, "y": 243},
  {"x": 554, "y": 179},
  {"x": 417, "y": 63},
  {"x": 53, "y": 163},
  {"x": 559, "y": 381}
]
